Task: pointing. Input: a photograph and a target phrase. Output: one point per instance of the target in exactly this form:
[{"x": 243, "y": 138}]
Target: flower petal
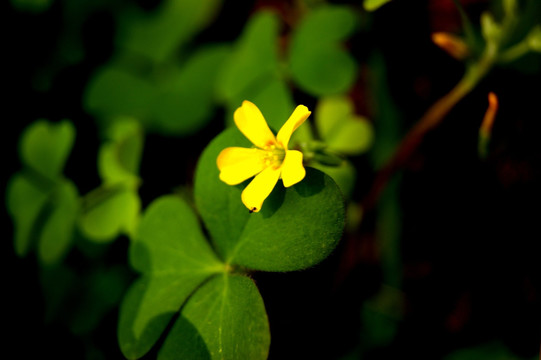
[
  {"x": 237, "y": 164},
  {"x": 292, "y": 169},
  {"x": 296, "y": 119},
  {"x": 252, "y": 124},
  {"x": 259, "y": 189}
]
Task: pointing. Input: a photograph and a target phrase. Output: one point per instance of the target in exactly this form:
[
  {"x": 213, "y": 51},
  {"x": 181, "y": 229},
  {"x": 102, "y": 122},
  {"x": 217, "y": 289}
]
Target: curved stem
[{"x": 431, "y": 119}]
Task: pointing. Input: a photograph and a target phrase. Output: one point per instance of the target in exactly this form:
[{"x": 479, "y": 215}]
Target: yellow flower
[{"x": 268, "y": 161}]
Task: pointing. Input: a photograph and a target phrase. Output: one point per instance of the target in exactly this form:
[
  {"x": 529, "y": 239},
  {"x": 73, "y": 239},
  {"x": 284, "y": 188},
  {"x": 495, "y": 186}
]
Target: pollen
[{"x": 273, "y": 156}]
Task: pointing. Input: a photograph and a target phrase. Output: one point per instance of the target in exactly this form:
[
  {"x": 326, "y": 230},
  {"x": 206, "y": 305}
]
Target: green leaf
[
  {"x": 176, "y": 100},
  {"x": 219, "y": 204},
  {"x": 254, "y": 60},
  {"x": 174, "y": 258},
  {"x": 343, "y": 174},
  {"x": 157, "y": 35},
  {"x": 318, "y": 62},
  {"x": 25, "y": 203},
  {"x": 45, "y": 147},
  {"x": 372, "y": 5},
  {"x": 113, "y": 91},
  {"x": 186, "y": 95},
  {"x": 340, "y": 128},
  {"x": 109, "y": 212},
  {"x": 224, "y": 319},
  {"x": 119, "y": 158},
  {"x": 272, "y": 239},
  {"x": 57, "y": 232}
]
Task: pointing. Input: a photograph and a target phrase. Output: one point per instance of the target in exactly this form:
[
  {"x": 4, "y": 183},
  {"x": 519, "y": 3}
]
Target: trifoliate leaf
[
  {"x": 174, "y": 258},
  {"x": 340, "y": 128},
  {"x": 45, "y": 147}
]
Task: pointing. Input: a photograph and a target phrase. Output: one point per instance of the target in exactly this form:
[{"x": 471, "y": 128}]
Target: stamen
[{"x": 273, "y": 155}]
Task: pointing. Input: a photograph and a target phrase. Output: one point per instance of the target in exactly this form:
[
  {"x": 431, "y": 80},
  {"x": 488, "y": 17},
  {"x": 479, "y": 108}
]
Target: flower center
[{"x": 273, "y": 155}]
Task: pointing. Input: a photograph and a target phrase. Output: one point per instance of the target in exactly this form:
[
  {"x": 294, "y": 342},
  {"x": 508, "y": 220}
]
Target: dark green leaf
[
  {"x": 297, "y": 227},
  {"x": 272, "y": 239},
  {"x": 343, "y": 174},
  {"x": 175, "y": 258},
  {"x": 219, "y": 204},
  {"x": 224, "y": 319}
]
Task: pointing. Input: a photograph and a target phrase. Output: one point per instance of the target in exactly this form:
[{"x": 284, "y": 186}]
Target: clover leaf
[
  {"x": 45, "y": 147},
  {"x": 175, "y": 101},
  {"x": 318, "y": 62},
  {"x": 224, "y": 319},
  {"x": 271, "y": 240},
  {"x": 42, "y": 203},
  {"x": 221, "y": 315},
  {"x": 340, "y": 128},
  {"x": 114, "y": 207}
]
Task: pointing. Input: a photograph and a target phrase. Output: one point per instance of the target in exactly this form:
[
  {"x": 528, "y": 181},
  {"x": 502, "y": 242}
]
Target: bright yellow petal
[
  {"x": 292, "y": 169},
  {"x": 259, "y": 189},
  {"x": 237, "y": 164},
  {"x": 252, "y": 124},
  {"x": 296, "y": 119}
]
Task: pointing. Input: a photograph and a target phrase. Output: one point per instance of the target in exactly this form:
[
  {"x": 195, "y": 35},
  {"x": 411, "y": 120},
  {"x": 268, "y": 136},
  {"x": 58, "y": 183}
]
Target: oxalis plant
[
  {"x": 253, "y": 225},
  {"x": 270, "y": 192},
  {"x": 194, "y": 275}
]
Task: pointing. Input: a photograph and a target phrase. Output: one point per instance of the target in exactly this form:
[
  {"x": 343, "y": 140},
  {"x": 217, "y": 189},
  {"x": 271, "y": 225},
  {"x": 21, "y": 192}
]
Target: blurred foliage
[
  {"x": 173, "y": 72},
  {"x": 43, "y": 204},
  {"x": 114, "y": 207}
]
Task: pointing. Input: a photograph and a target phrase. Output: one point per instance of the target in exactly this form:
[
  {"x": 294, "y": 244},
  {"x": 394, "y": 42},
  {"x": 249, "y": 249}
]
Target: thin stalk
[{"x": 431, "y": 119}]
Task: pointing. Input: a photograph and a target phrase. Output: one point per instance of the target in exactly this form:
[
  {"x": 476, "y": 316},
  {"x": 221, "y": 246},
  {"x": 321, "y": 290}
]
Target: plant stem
[{"x": 431, "y": 119}]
